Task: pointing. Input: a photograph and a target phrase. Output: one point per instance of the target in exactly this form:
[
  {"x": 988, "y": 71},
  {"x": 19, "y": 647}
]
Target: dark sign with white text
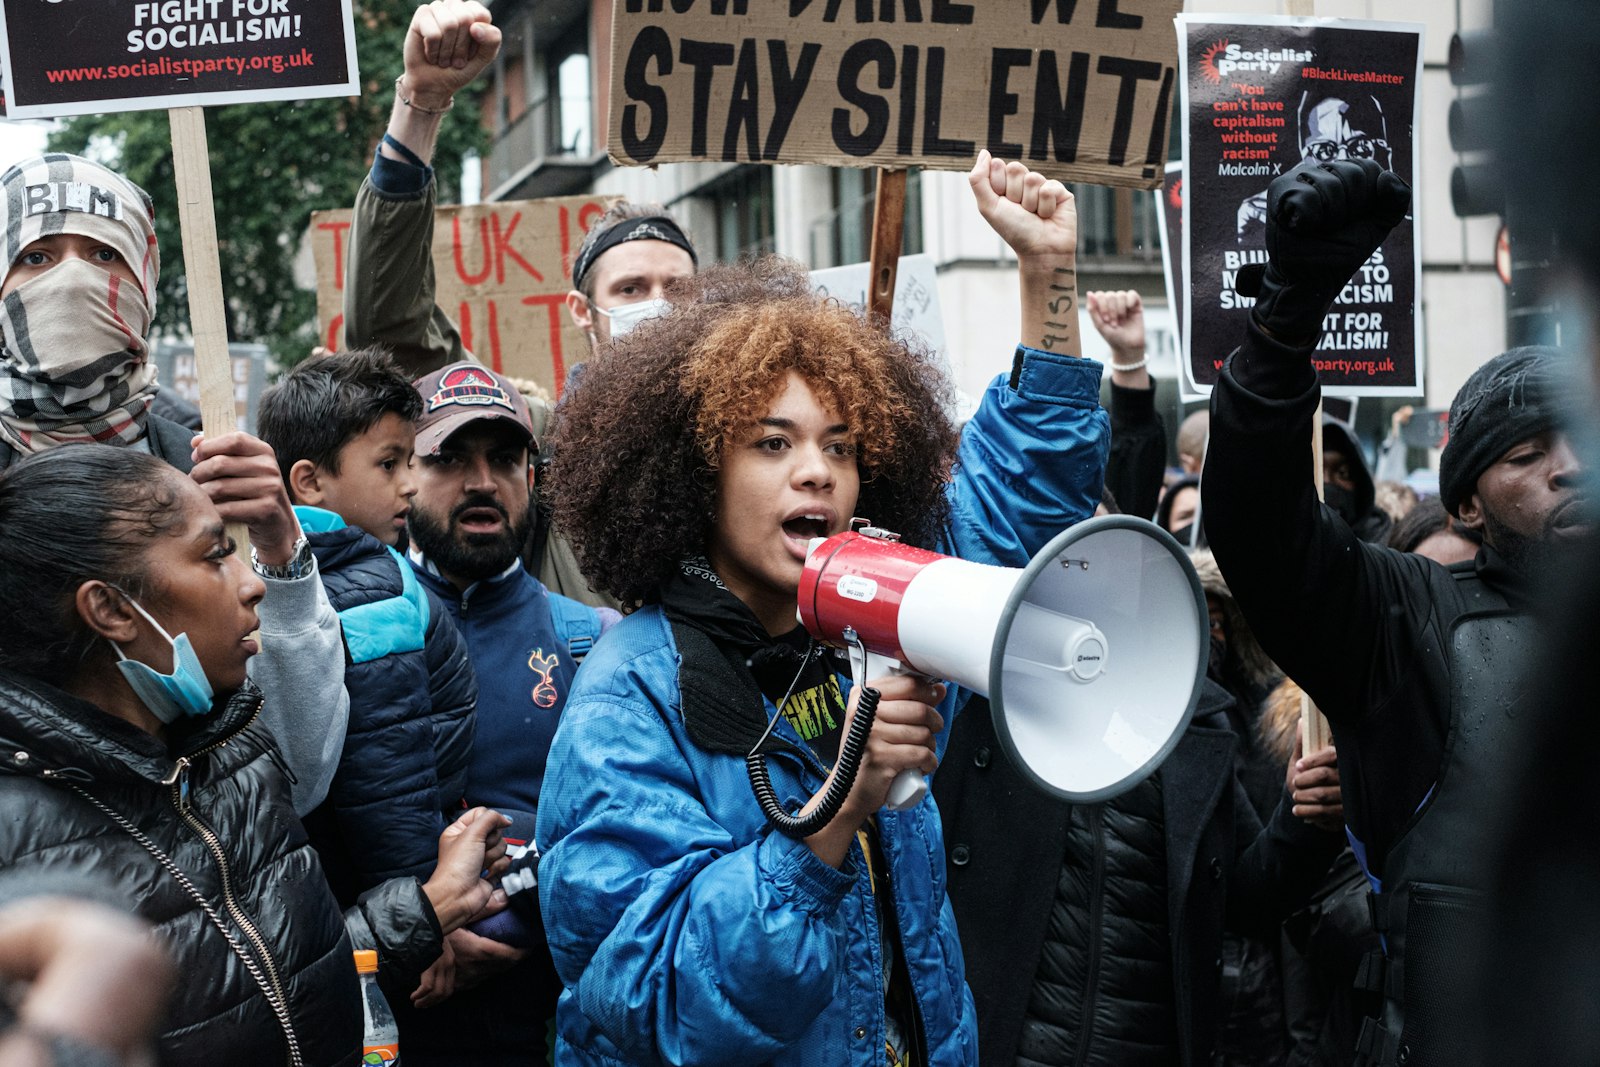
[
  {"x": 1080, "y": 90},
  {"x": 1264, "y": 95},
  {"x": 73, "y": 57}
]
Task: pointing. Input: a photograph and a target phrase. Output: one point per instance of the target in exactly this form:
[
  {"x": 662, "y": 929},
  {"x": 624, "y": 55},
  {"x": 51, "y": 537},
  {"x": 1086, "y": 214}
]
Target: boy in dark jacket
[{"x": 342, "y": 428}]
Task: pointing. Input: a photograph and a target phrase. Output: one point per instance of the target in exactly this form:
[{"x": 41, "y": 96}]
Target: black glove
[{"x": 1324, "y": 220}]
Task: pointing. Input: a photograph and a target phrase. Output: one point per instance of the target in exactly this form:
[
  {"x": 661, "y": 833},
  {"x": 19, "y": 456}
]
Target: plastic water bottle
[{"x": 380, "y": 1044}]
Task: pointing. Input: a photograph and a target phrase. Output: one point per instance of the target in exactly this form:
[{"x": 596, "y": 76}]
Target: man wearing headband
[
  {"x": 1416, "y": 665},
  {"x": 76, "y": 305},
  {"x": 620, "y": 273}
]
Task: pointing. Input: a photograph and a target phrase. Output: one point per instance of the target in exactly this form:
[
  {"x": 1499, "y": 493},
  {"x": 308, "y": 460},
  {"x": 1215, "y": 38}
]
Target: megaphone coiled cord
[{"x": 844, "y": 775}]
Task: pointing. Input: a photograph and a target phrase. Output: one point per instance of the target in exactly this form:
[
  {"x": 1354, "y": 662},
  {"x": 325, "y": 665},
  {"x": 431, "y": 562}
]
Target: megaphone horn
[{"x": 1091, "y": 655}]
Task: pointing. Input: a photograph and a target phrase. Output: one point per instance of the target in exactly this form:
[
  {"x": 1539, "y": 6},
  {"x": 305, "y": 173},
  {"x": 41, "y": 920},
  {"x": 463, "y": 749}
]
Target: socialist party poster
[{"x": 1264, "y": 95}]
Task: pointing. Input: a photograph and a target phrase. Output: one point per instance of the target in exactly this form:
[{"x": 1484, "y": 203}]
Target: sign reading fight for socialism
[
  {"x": 1263, "y": 95},
  {"x": 503, "y": 272},
  {"x": 1078, "y": 89},
  {"x": 74, "y": 57}
]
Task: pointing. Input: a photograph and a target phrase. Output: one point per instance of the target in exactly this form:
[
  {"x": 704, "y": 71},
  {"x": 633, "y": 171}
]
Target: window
[
  {"x": 571, "y": 109},
  {"x": 743, "y": 204},
  {"x": 844, "y": 235}
]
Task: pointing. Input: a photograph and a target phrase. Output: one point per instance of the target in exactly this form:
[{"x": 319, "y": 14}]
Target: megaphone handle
[{"x": 908, "y": 787}]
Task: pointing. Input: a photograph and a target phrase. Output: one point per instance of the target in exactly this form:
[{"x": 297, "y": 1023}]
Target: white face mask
[{"x": 627, "y": 316}]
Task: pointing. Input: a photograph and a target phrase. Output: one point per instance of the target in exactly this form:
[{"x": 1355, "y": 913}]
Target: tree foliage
[{"x": 272, "y": 165}]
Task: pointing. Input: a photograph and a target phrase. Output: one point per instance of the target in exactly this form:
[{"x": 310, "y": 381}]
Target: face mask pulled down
[
  {"x": 75, "y": 366},
  {"x": 169, "y": 697}
]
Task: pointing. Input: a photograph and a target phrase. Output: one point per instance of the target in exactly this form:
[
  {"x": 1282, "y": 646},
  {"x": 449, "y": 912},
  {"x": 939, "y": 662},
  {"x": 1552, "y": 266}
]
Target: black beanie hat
[{"x": 1507, "y": 400}]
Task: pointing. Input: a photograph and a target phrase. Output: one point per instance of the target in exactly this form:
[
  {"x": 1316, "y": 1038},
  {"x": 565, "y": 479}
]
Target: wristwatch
[{"x": 300, "y": 563}]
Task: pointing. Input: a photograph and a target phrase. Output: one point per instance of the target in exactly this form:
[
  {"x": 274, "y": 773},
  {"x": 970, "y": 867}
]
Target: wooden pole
[
  {"x": 888, "y": 232},
  {"x": 203, "y": 275},
  {"x": 1314, "y": 730}
]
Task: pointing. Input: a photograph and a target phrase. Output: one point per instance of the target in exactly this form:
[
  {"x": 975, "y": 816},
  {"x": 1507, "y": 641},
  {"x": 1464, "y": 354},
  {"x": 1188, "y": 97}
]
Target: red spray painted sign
[{"x": 503, "y": 270}]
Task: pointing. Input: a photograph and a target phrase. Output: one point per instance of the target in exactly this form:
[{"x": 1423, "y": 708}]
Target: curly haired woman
[{"x": 701, "y": 454}]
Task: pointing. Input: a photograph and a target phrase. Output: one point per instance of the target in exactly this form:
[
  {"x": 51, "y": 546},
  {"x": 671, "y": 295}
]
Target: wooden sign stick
[
  {"x": 1314, "y": 730},
  {"x": 888, "y": 231},
  {"x": 203, "y": 273}
]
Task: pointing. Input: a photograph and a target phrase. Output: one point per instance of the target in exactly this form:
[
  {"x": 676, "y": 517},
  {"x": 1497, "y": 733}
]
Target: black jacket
[
  {"x": 1364, "y": 629},
  {"x": 413, "y": 695},
  {"x": 1005, "y": 839},
  {"x": 1138, "y": 457},
  {"x": 57, "y": 752}
]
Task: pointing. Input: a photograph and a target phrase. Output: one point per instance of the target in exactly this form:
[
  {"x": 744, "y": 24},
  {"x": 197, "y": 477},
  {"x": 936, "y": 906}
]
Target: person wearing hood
[
  {"x": 1347, "y": 485},
  {"x": 76, "y": 306},
  {"x": 1414, "y": 664},
  {"x": 1179, "y": 512}
]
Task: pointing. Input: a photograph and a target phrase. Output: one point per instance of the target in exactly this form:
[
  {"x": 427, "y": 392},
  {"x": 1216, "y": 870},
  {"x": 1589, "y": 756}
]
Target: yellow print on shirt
[
  {"x": 811, "y": 711},
  {"x": 545, "y": 693}
]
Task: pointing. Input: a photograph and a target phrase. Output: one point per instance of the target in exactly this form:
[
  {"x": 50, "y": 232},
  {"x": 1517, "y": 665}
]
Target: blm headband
[{"x": 649, "y": 228}]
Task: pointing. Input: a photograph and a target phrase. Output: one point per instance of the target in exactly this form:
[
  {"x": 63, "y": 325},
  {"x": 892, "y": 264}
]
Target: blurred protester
[
  {"x": 1392, "y": 465},
  {"x": 1179, "y": 512},
  {"x": 1347, "y": 485},
  {"x": 1194, "y": 433},
  {"x": 136, "y": 752},
  {"x": 80, "y": 288},
  {"x": 89, "y": 984},
  {"x": 1539, "y": 980},
  {"x": 1138, "y": 436},
  {"x": 1402, "y": 655},
  {"x": 748, "y": 420},
  {"x": 1394, "y": 499},
  {"x": 343, "y": 428},
  {"x": 1431, "y": 531}
]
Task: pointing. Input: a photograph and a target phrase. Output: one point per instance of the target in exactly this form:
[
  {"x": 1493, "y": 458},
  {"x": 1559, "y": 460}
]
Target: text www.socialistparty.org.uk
[
  {"x": 1368, "y": 367},
  {"x": 167, "y": 68}
]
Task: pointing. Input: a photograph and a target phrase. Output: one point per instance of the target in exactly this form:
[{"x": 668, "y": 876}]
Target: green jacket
[{"x": 389, "y": 290}]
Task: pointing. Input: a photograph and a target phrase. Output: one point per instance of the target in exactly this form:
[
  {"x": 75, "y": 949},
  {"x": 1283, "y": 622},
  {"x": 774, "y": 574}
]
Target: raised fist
[{"x": 1324, "y": 220}]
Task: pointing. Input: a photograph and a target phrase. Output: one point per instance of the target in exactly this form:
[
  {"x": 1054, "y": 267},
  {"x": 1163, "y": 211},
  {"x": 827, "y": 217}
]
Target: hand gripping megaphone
[{"x": 1091, "y": 656}]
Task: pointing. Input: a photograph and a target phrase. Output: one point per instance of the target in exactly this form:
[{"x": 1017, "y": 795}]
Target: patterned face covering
[
  {"x": 75, "y": 367},
  {"x": 75, "y": 364}
]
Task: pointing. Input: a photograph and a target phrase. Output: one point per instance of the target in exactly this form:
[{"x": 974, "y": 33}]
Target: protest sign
[
  {"x": 75, "y": 57},
  {"x": 1426, "y": 429},
  {"x": 179, "y": 373},
  {"x": 1262, "y": 95},
  {"x": 503, "y": 272},
  {"x": 916, "y": 297},
  {"x": 896, "y": 83}
]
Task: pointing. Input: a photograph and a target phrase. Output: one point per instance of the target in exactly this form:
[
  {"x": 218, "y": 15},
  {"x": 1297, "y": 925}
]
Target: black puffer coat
[{"x": 239, "y": 844}]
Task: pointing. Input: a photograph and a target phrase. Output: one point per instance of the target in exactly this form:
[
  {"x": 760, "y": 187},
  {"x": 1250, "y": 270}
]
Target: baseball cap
[{"x": 462, "y": 393}]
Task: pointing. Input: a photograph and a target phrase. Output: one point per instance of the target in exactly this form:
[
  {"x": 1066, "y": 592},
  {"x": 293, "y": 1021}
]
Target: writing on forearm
[{"x": 1065, "y": 331}]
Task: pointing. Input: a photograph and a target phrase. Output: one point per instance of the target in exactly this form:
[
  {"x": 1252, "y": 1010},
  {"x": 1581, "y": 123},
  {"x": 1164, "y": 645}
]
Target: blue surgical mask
[
  {"x": 186, "y": 691},
  {"x": 626, "y": 317}
]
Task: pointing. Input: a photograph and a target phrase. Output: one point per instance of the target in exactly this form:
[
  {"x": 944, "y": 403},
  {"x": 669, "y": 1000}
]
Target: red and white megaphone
[{"x": 1091, "y": 655}]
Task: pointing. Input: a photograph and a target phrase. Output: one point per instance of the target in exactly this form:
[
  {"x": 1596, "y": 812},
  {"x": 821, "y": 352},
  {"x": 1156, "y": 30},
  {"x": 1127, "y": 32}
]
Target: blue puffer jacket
[
  {"x": 685, "y": 930},
  {"x": 412, "y": 700}
]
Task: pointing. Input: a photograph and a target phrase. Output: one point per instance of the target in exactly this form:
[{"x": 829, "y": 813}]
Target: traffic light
[{"x": 1476, "y": 184}]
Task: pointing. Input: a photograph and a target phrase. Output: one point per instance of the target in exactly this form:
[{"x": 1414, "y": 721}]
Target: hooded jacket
[
  {"x": 214, "y": 799},
  {"x": 413, "y": 697},
  {"x": 1220, "y": 866},
  {"x": 1370, "y": 522},
  {"x": 684, "y": 928}
]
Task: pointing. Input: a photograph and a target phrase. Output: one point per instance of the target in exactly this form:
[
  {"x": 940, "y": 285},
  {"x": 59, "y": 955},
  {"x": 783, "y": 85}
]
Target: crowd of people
[{"x": 486, "y": 693}]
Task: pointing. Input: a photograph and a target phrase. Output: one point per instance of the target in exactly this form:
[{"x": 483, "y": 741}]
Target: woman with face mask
[{"x": 131, "y": 752}]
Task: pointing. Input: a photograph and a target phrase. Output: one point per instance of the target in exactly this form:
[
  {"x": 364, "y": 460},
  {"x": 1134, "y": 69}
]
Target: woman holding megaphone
[{"x": 695, "y": 463}]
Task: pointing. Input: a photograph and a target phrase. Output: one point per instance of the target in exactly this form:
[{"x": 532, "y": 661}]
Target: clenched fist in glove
[{"x": 1323, "y": 222}]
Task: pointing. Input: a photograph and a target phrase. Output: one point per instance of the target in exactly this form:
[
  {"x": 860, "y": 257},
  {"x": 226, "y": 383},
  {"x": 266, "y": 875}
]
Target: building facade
[{"x": 546, "y": 111}]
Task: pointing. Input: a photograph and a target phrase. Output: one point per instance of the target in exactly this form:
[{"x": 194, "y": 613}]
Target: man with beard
[
  {"x": 468, "y": 523},
  {"x": 1414, "y": 664}
]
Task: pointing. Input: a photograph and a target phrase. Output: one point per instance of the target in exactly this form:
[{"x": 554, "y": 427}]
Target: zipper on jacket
[
  {"x": 179, "y": 783},
  {"x": 1097, "y": 884}
]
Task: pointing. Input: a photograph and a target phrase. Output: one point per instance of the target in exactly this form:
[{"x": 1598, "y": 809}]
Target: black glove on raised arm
[{"x": 1324, "y": 220}]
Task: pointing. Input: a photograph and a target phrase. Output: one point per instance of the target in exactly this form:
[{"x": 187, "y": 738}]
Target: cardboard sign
[
  {"x": 178, "y": 373},
  {"x": 503, "y": 270},
  {"x": 78, "y": 57},
  {"x": 1079, "y": 90},
  {"x": 1263, "y": 95}
]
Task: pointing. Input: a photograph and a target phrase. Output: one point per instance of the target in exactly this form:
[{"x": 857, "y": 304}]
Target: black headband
[{"x": 649, "y": 228}]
